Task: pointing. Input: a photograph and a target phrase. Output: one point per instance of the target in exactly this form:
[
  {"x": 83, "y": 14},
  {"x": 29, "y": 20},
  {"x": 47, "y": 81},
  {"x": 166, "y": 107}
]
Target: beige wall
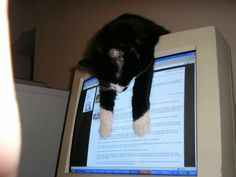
[{"x": 64, "y": 29}]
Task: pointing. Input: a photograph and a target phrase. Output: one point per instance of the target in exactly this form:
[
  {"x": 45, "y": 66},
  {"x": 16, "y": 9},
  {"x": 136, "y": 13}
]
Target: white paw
[
  {"x": 105, "y": 123},
  {"x": 141, "y": 125}
]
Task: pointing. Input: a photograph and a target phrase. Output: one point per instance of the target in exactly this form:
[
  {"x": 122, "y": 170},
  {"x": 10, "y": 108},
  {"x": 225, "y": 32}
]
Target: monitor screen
[{"x": 170, "y": 146}]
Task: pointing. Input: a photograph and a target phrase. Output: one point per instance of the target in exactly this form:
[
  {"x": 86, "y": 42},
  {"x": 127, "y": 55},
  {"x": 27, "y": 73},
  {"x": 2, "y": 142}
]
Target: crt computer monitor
[
  {"x": 169, "y": 147},
  {"x": 191, "y": 113}
]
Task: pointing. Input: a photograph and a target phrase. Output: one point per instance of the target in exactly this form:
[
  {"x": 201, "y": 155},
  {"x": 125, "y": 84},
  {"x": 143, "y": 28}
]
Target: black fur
[{"x": 125, "y": 45}]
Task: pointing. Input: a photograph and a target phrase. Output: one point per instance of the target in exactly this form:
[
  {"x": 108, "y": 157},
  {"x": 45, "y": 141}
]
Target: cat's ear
[{"x": 87, "y": 63}]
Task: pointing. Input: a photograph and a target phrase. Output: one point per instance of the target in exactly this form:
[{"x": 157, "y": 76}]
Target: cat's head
[{"x": 114, "y": 67}]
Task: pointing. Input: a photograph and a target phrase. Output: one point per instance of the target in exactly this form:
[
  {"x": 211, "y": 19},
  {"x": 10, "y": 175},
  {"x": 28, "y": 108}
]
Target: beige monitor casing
[{"x": 214, "y": 104}]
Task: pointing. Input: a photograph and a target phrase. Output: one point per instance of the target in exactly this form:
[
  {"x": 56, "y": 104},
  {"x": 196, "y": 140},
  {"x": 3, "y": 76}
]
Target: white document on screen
[{"x": 162, "y": 147}]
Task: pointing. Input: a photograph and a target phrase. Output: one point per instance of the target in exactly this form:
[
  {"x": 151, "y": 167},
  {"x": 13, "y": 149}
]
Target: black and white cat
[{"x": 122, "y": 50}]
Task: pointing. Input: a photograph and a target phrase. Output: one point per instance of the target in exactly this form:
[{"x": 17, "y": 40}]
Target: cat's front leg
[
  {"x": 141, "y": 103},
  {"x": 107, "y": 102}
]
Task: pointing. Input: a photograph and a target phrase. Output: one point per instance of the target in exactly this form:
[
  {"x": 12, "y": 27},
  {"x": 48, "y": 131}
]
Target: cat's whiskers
[{"x": 146, "y": 69}]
